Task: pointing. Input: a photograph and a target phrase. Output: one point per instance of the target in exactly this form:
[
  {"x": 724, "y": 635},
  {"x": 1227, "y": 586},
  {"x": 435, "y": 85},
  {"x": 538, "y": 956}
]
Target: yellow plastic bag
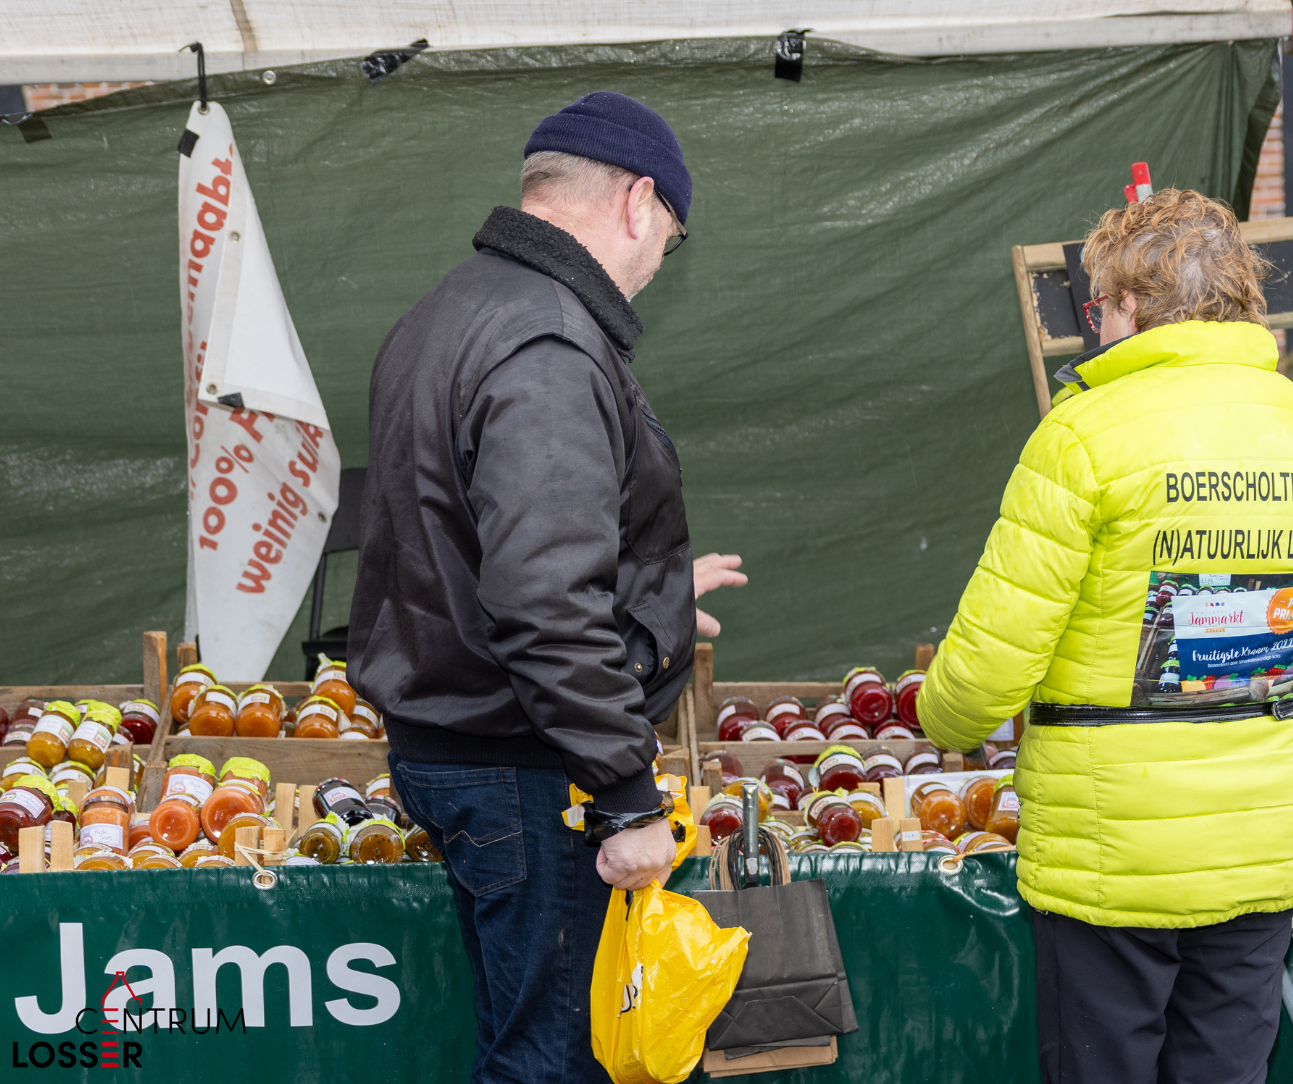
[{"x": 663, "y": 973}]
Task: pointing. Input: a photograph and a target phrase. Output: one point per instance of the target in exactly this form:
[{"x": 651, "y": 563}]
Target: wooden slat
[
  {"x": 301, "y": 760},
  {"x": 703, "y": 680},
  {"x": 924, "y": 656},
  {"x": 186, "y": 654},
  {"x": 1032, "y": 327},
  {"x": 1043, "y": 257},
  {"x": 1054, "y": 348},
  {"x": 689, "y": 716},
  {"x": 155, "y": 680},
  {"x": 12, "y": 695},
  {"x": 1264, "y": 231}
]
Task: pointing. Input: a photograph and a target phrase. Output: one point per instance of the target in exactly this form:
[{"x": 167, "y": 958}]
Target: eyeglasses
[
  {"x": 680, "y": 235},
  {"x": 1091, "y": 310}
]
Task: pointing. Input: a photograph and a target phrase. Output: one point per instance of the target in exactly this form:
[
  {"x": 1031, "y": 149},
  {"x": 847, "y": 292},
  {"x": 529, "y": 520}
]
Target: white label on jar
[
  {"x": 760, "y": 732},
  {"x": 783, "y": 709},
  {"x": 336, "y": 794},
  {"x": 844, "y": 731},
  {"x": 140, "y": 708},
  {"x": 909, "y": 836},
  {"x": 731, "y": 709},
  {"x": 218, "y": 697},
  {"x": 365, "y": 712},
  {"x": 328, "y": 675},
  {"x": 194, "y": 677},
  {"x": 105, "y": 835},
  {"x": 1009, "y": 803},
  {"x": 792, "y": 772},
  {"x": 921, "y": 759},
  {"x": 894, "y": 732},
  {"x": 318, "y": 709},
  {"x": 837, "y": 760},
  {"x": 869, "y": 677},
  {"x": 56, "y": 725},
  {"x": 30, "y": 802},
  {"x": 382, "y": 782},
  {"x": 121, "y": 738},
  {"x": 19, "y": 767},
  {"x": 1006, "y": 755},
  {"x": 353, "y": 735},
  {"x": 804, "y": 732},
  {"x": 833, "y": 708},
  {"x": 253, "y": 698},
  {"x": 17, "y": 735},
  {"x": 879, "y": 760},
  {"x": 96, "y": 734},
  {"x": 189, "y": 784}
]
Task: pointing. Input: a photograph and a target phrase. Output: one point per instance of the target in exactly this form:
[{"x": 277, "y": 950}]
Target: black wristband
[{"x": 599, "y": 826}]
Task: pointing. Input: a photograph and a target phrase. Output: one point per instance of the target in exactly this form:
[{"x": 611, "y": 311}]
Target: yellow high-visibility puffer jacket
[{"x": 1171, "y": 824}]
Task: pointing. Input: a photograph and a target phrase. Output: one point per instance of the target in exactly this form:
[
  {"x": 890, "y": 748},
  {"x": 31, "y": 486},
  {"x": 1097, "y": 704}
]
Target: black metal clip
[
  {"x": 377, "y": 66},
  {"x": 790, "y": 55},
  {"x": 196, "y": 47}
]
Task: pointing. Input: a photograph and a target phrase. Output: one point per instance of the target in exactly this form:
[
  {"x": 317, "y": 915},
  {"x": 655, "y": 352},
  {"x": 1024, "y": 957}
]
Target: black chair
[{"x": 342, "y": 535}]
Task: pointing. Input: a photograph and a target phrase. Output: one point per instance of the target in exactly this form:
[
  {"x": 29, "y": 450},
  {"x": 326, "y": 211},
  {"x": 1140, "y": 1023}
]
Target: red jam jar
[
  {"x": 1001, "y": 760},
  {"x": 783, "y": 711},
  {"x": 830, "y": 706},
  {"x": 925, "y": 762},
  {"x": 841, "y": 766},
  {"x": 834, "y": 818},
  {"x": 881, "y": 766},
  {"x": 869, "y": 697},
  {"x": 786, "y": 782},
  {"x": 24, "y": 805},
  {"x": 729, "y": 765},
  {"x": 734, "y": 714},
  {"x": 894, "y": 732},
  {"x": 845, "y": 728},
  {"x": 905, "y": 690},
  {"x": 723, "y": 816},
  {"x": 760, "y": 731},
  {"x": 140, "y": 719}
]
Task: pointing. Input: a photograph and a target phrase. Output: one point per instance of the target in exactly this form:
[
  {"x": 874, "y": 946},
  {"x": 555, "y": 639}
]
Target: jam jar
[
  {"x": 212, "y": 713},
  {"x": 249, "y": 770},
  {"x": 834, "y": 818},
  {"x": 869, "y": 806},
  {"x": 802, "y": 730},
  {"x": 733, "y": 715},
  {"x": 868, "y": 695},
  {"x": 729, "y": 765},
  {"x": 140, "y": 719},
  {"x": 830, "y": 707},
  {"x": 760, "y": 731},
  {"x": 228, "y": 800},
  {"x": 16, "y": 769},
  {"x": 840, "y": 766},
  {"x": 260, "y": 713},
  {"x": 99, "y": 858},
  {"x": 330, "y": 681},
  {"x": 939, "y": 809},
  {"x": 905, "y": 691},
  {"x": 357, "y": 726},
  {"x": 140, "y": 832},
  {"x": 177, "y": 821},
  {"x": 736, "y": 789},
  {"x": 419, "y": 847},
  {"x": 782, "y": 710},
  {"x": 27, "y": 804},
  {"x": 924, "y": 762},
  {"x": 200, "y": 848},
  {"x": 318, "y": 717},
  {"x": 1003, "y": 818},
  {"x": 189, "y": 773},
  {"x": 367, "y": 718},
  {"x": 894, "y": 731},
  {"x": 374, "y": 842},
  {"x": 323, "y": 840},
  {"x": 845, "y": 728},
  {"x": 976, "y": 793},
  {"x": 159, "y": 859},
  {"x": 48, "y": 742},
  {"x": 786, "y": 782},
  {"x": 229, "y": 835},
  {"x": 340, "y": 797},
  {"x": 723, "y": 816},
  {"x": 190, "y": 681},
  {"x": 881, "y": 766},
  {"x": 19, "y": 733},
  {"x": 105, "y": 819},
  {"x": 89, "y": 745},
  {"x": 1002, "y": 759},
  {"x": 380, "y": 786}
]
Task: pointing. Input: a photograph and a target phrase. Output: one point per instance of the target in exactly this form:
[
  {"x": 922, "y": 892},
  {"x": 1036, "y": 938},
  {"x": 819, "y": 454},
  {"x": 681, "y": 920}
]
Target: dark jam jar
[
  {"x": 830, "y": 708},
  {"x": 734, "y": 714},
  {"x": 783, "y": 711},
  {"x": 340, "y": 797},
  {"x": 905, "y": 691},
  {"x": 786, "y": 782},
  {"x": 868, "y": 695},
  {"x": 840, "y": 766}
]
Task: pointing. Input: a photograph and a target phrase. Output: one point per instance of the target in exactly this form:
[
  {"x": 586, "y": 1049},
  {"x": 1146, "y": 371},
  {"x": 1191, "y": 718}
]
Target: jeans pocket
[{"x": 477, "y": 812}]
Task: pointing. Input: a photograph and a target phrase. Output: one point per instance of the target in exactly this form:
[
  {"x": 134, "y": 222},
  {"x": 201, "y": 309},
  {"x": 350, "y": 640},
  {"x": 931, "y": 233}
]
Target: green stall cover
[{"x": 837, "y": 351}]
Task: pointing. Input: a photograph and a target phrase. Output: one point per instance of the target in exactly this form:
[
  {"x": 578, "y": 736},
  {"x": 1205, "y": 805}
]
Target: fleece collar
[
  {"x": 551, "y": 250},
  {"x": 1191, "y": 342}
]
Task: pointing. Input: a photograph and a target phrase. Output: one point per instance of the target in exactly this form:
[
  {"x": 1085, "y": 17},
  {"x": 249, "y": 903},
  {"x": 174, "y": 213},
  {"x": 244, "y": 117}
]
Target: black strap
[{"x": 1098, "y": 715}]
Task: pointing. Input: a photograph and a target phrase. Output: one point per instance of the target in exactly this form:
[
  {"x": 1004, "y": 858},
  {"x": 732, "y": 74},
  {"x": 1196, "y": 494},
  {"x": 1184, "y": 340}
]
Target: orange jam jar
[
  {"x": 29, "y": 803},
  {"x": 1003, "y": 819},
  {"x": 140, "y": 719},
  {"x": 89, "y": 745},
  {"x": 190, "y": 681},
  {"x": 379, "y": 787},
  {"x": 365, "y": 715},
  {"x": 249, "y": 771},
  {"x": 48, "y": 742},
  {"x": 323, "y": 840},
  {"x": 99, "y": 858},
  {"x": 977, "y": 796},
  {"x": 228, "y": 837},
  {"x": 230, "y": 798},
  {"x": 375, "y": 842},
  {"x": 213, "y": 861},
  {"x": 105, "y": 819},
  {"x": 176, "y": 822},
  {"x": 202, "y": 848},
  {"x": 763, "y": 792},
  {"x": 140, "y": 832},
  {"x": 318, "y": 717},
  {"x": 141, "y": 851},
  {"x": 212, "y": 714},
  {"x": 15, "y": 769},
  {"x": 939, "y": 809},
  {"x": 159, "y": 860},
  {"x": 418, "y": 845},
  {"x": 260, "y": 713},
  {"x": 356, "y": 728},
  {"x": 189, "y": 774},
  {"x": 869, "y": 806},
  {"x": 330, "y": 681}
]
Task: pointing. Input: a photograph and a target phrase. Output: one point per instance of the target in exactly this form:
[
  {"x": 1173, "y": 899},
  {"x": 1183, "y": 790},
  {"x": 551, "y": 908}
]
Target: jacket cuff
[{"x": 636, "y": 794}]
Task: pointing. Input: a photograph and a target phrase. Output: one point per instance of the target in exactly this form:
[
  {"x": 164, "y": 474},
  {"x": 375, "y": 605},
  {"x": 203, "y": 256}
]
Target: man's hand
[
  {"x": 711, "y": 571},
  {"x": 632, "y": 859}
]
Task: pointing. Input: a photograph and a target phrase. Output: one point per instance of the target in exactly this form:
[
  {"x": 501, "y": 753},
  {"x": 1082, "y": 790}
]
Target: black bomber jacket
[{"x": 525, "y": 594}]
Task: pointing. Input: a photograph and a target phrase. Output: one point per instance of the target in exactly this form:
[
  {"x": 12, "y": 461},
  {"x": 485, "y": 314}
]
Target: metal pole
[{"x": 750, "y": 802}]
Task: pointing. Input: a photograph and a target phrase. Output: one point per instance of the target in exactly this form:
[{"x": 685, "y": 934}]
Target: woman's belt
[{"x": 1098, "y": 715}]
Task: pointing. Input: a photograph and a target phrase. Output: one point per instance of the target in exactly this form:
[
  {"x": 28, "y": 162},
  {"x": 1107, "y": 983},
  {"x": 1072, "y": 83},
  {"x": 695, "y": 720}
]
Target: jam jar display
[
  {"x": 905, "y": 691},
  {"x": 330, "y": 682},
  {"x": 260, "y": 713},
  {"x": 1003, "y": 818},
  {"x": 734, "y": 714},
  {"x": 213, "y": 712},
  {"x": 374, "y": 842},
  {"x": 29, "y": 803},
  {"x": 323, "y": 840},
  {"x": 189, "y": 773},
  {"x": 868, "y": 695},
  {"x": 841, "y": 767},
  {"x": 89, "y": 745},
  {"x": 48, "y": 742},
  {"x": 231, "y": 798},
  {"x": 19, "y": 767},
  {"x": 140, "y": 720},
  {"x": 249, "y": 770},
  {"x": 190, "y": 681}
]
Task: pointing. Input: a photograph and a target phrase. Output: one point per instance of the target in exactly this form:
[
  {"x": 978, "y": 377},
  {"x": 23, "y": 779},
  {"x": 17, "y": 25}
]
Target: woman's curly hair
[{"x": 1181, "y": 254}]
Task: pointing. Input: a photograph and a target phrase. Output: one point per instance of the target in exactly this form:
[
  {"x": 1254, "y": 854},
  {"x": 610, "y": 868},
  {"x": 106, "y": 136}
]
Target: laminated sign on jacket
[{"x": 1143, "y": 560}]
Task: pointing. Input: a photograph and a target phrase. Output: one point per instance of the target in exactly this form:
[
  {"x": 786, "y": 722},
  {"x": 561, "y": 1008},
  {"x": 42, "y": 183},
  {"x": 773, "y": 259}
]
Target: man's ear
[{"x": 637, "y": 210}]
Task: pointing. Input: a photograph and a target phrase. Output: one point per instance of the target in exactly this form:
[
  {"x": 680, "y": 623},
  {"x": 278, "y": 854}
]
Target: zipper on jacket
[{"x": 658, "y": 430}]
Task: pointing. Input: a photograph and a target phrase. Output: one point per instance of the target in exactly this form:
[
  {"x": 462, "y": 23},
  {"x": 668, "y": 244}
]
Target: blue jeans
[{"x": 531, "y": 907}]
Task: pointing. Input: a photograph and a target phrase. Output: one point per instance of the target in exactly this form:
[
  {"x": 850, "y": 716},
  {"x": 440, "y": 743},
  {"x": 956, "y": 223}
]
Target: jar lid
[
  {"x": 38, "y": 783},
  {"x": 192, "y": 760},
  {"x": 27, "y": 766},
  {"x": 110, "y": 719},
  {"x": 1007, "y": 780},
  {"x": 832, "y": 750},
  {"x": 115, "y": 795},
  {"x": 64, "y": 708},
  {"x": 244, "y": 766},
  {"x": 181, "y": 796},
  {"x": 195, "y": 668}
]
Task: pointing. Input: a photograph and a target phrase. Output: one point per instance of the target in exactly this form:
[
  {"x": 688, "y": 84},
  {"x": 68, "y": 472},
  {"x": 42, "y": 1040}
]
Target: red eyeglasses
[{"x": 1091, "y": 310}]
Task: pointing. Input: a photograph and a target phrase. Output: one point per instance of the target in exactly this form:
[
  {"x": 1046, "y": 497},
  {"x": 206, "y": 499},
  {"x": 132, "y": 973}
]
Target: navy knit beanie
[{"x": 616, "y": 129}]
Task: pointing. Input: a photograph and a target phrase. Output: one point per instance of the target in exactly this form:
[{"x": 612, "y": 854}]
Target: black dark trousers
[{"x": 1127, "y": 1005}]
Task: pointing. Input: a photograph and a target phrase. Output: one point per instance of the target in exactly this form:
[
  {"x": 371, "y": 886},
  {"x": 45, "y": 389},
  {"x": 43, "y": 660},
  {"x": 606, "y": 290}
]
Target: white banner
[{"x": 263, "y": 467}]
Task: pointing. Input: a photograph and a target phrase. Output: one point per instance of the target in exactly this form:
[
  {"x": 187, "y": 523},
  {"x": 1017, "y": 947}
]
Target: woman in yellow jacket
[{"x": 1138, "y": 589}]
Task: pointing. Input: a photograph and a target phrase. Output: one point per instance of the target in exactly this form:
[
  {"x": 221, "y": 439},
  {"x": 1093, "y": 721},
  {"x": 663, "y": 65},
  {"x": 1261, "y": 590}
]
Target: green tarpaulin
[{"x": 837, "y": 351}]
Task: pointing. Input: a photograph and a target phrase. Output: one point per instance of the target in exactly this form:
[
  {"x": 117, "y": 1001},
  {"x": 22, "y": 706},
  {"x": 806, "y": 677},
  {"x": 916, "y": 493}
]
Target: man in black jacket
[{"x": 525, "y": 605}]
